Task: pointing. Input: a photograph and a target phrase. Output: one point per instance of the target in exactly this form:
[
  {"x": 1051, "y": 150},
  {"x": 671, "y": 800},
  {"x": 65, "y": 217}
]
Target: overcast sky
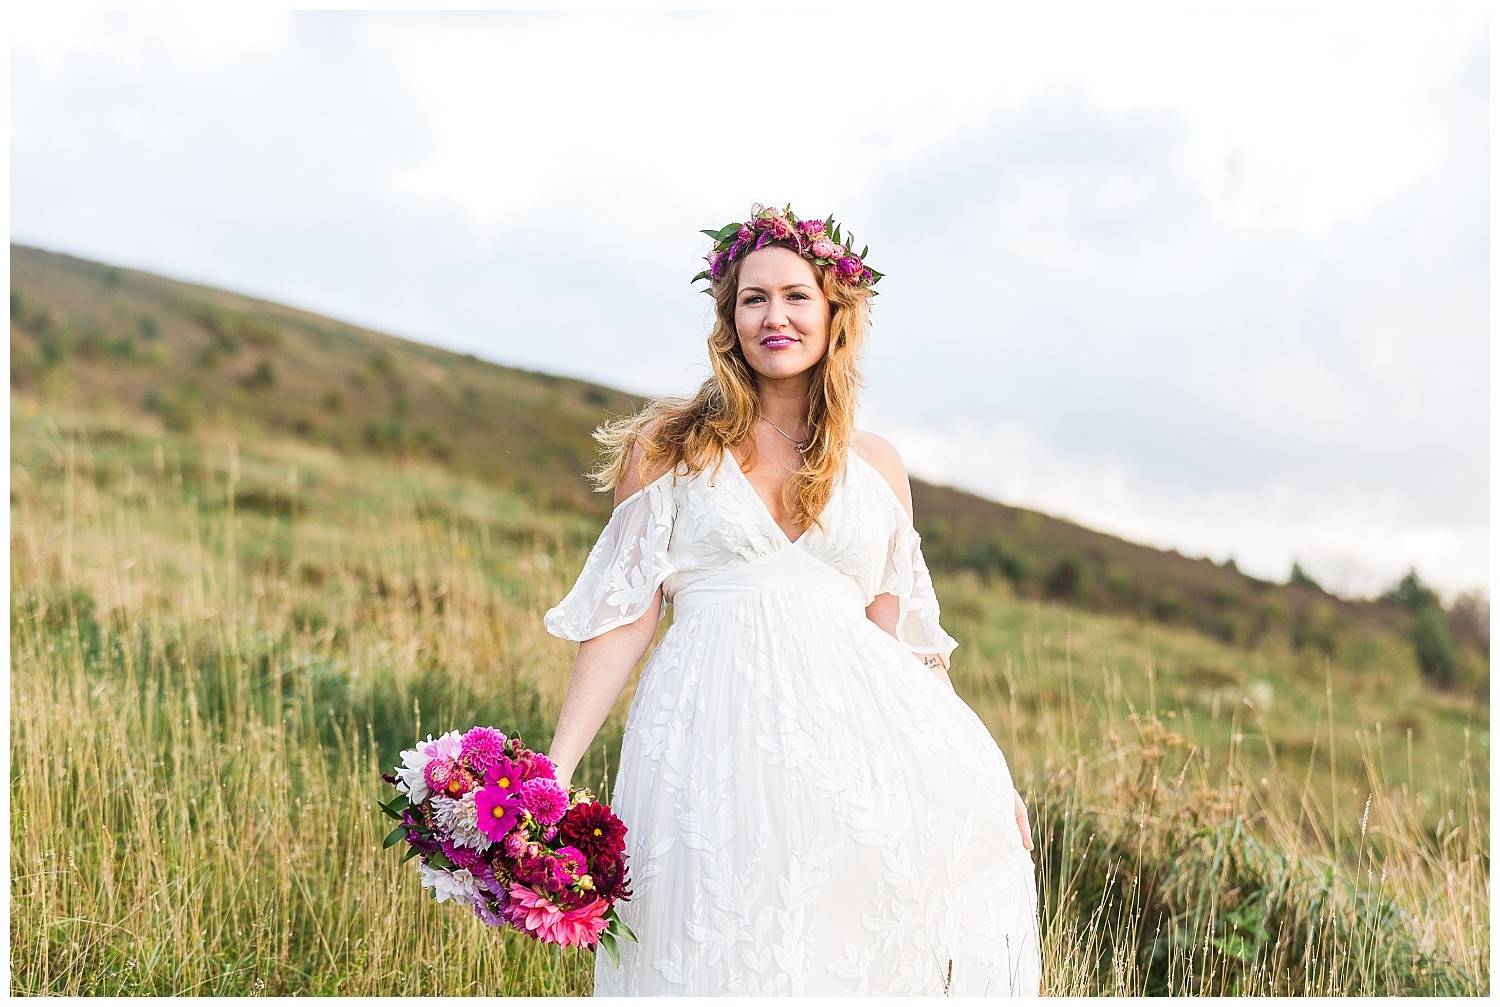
[{"x": 1211, "y": 281}]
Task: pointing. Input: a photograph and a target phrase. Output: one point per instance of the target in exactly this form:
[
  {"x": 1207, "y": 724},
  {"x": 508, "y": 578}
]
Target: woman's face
[{"x": 780, "y": 313}]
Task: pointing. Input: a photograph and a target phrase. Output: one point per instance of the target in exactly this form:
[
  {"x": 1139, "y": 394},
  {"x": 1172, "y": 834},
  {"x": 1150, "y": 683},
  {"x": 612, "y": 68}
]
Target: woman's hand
[{"x": 1022, "y": 822}]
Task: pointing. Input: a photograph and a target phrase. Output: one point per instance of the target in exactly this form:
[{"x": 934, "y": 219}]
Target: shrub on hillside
[
  {"x": 1065, "y": 582},
  {"x": 1434, "y": 647},
  {"x": 1300, "y": 578},
  {"x": 180, "y": 410}
]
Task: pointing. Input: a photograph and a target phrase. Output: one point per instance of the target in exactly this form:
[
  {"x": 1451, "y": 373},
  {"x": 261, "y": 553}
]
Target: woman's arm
[
  {"x": 600, "y": 671},
  {"x": 885, "y": 609},
  {"x": 603, "y": 665}
]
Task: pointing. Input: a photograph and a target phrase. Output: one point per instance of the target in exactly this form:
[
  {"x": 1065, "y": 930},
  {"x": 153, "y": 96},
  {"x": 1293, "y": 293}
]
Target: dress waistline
[{"x": 787, "y": 568}]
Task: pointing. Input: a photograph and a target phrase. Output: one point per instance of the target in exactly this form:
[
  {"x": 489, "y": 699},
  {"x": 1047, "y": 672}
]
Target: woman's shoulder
[
  {"x": 885, "y": 459},
  {"x": 635, "y": 476}
]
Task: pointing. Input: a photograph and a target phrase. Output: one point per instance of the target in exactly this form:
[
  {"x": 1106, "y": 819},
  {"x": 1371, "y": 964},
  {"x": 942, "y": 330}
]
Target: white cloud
[{"x": 1216, "y": 280}]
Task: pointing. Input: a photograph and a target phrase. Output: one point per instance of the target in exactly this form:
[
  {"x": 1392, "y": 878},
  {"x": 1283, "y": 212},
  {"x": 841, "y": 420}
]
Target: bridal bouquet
[{"x": 497, "y": 832}]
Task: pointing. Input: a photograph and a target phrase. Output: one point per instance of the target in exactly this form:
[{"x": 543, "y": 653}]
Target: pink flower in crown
[
  {"x": 745, "y": 233},
  {"x": 848, "y": 268},
  {"x": 545, "y": 799},
  {"x": 823, "y": 248},
  {"x": 780, "y": 229},
  {"x": 481, "y": 748},
  {"x": 867, "y": 275},
  {"x": 813, "y": 228},
  {"x": 716, "y": 263}
]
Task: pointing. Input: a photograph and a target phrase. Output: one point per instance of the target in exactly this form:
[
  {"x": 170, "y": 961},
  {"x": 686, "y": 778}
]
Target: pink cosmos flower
[
  {"x": 544, "y": 798},
  {"x": 507, "y": 774},
  {"x": 533, "y": 912},
  {"x": 481, "y": 748},
  {"x": 497, "y": 810}
]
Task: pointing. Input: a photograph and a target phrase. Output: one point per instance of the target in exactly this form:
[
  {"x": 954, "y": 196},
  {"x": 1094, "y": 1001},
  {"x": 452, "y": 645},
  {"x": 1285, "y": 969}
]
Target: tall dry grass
[{"x": 215, "y": 652}]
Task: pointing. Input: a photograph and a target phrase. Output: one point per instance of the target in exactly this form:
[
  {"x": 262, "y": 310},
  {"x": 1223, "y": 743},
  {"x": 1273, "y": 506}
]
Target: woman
[{"x": 811, "y": 808}]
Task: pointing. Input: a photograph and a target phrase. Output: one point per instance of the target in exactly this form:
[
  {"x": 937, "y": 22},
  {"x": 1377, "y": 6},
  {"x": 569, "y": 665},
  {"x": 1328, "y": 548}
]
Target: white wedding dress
[{"x": 810, "y": 809}]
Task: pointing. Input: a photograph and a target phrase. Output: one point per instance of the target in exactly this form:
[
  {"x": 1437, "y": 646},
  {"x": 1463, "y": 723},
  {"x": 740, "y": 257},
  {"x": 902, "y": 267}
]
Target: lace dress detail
[{"x": 811, "y": 810}]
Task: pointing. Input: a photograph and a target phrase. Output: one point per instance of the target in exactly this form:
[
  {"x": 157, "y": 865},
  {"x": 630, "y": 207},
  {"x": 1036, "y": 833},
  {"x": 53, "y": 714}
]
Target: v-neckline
[{"x": 765, "y": 507}]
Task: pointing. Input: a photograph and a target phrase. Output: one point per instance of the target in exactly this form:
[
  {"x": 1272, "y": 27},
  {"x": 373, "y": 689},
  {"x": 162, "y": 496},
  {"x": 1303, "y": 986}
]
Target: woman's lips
[{"x": 776, "y": 342}]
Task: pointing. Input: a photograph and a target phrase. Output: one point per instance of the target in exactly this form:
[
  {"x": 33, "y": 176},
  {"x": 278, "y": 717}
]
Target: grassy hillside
[
  {"x": 195, "y": 358},
  {"x": 217, "y": 645}
]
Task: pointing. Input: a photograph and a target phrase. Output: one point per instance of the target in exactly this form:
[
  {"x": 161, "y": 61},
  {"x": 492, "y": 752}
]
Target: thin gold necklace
[{"x": 801, "y": 446}]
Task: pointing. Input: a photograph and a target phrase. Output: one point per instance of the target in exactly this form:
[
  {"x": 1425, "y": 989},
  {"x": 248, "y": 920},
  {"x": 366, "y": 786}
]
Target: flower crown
[{"x": 819, "y": 241}]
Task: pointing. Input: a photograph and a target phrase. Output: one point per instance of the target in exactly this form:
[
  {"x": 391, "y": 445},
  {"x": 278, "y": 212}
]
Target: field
[{"x": 219, "y": 643}]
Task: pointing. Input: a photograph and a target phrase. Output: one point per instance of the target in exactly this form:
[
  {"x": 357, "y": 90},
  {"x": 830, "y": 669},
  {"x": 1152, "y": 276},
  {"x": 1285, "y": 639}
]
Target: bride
[{"x": 811, "y": 808}]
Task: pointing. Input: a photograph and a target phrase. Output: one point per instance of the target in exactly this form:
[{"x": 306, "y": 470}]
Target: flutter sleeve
[
  {"x": 906, "y": 577},
  {"x": 623, "y": 570}
]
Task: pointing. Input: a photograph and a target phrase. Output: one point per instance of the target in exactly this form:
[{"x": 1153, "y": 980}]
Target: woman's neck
[{"x": 784, "y": 403}]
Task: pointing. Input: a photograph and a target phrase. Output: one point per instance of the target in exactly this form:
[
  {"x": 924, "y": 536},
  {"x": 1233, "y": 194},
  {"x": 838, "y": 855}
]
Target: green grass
[{"x": 218, "y": 646}]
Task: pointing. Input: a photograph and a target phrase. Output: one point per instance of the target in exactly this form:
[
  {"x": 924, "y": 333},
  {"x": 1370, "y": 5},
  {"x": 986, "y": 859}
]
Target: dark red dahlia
[
  {"x": 593, "y": 828},
  {"x": 607, "y": 871}
]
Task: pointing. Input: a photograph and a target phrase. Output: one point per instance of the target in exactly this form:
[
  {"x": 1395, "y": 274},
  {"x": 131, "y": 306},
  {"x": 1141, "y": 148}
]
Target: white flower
[
  {"x": 410, "y": 777},
  {"x": 459, "y": 819},
  {"x": 456, "y": 885}
]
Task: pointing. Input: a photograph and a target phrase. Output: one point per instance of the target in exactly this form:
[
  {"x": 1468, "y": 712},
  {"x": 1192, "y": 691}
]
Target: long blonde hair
[{"x": 696, "y": 431}]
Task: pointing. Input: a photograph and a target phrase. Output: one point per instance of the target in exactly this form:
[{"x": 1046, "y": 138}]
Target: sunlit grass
[{"x": 216, "y": 650}]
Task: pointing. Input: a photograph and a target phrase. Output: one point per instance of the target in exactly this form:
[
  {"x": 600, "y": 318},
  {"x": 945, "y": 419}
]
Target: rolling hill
[{"x": 85, "y": 332}]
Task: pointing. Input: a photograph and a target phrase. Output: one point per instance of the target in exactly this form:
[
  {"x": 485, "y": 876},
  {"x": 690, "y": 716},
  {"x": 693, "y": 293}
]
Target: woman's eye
[{"x": 751, "y": 299}]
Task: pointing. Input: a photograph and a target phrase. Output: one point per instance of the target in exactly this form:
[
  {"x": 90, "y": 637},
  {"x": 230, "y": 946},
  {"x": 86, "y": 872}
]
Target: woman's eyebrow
[{"x": 789, "y": 286}]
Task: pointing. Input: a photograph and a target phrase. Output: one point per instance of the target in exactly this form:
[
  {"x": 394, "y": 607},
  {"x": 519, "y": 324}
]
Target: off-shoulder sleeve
[
  {"x": 907, "y": 578},
  {"x": 623, "y": 570}
]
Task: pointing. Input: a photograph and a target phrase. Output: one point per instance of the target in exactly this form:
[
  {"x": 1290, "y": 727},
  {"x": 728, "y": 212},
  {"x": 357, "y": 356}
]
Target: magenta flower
[
  {"x": 848, "y": 268},
  {"x": 507, "y": 774},
  {"x": 498, "y": 810},
  {"x": 481, "y": 748},
  {"x": 514, "y": 844},
  {"x": 545, "y": 799},
  {"x": 813, "y": 228}
]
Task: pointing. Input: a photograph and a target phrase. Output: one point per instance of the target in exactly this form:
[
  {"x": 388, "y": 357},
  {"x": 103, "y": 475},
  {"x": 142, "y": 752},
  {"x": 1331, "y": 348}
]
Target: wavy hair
[{"x": 694, "y": 432}]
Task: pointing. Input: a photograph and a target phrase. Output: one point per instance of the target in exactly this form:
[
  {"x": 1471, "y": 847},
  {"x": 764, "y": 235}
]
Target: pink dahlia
[
  {"x": 497, "y": 809},
  {"x": 544, "y": 798},
  {"x": 536, "y": 914},
  {"x": 482, "y": 747},
  {"x": 445, "y": 776},
  {"x": 460, "y": 856},
  {"x": 535, "y": 766},
  {"x": 514, "y": 844}
]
